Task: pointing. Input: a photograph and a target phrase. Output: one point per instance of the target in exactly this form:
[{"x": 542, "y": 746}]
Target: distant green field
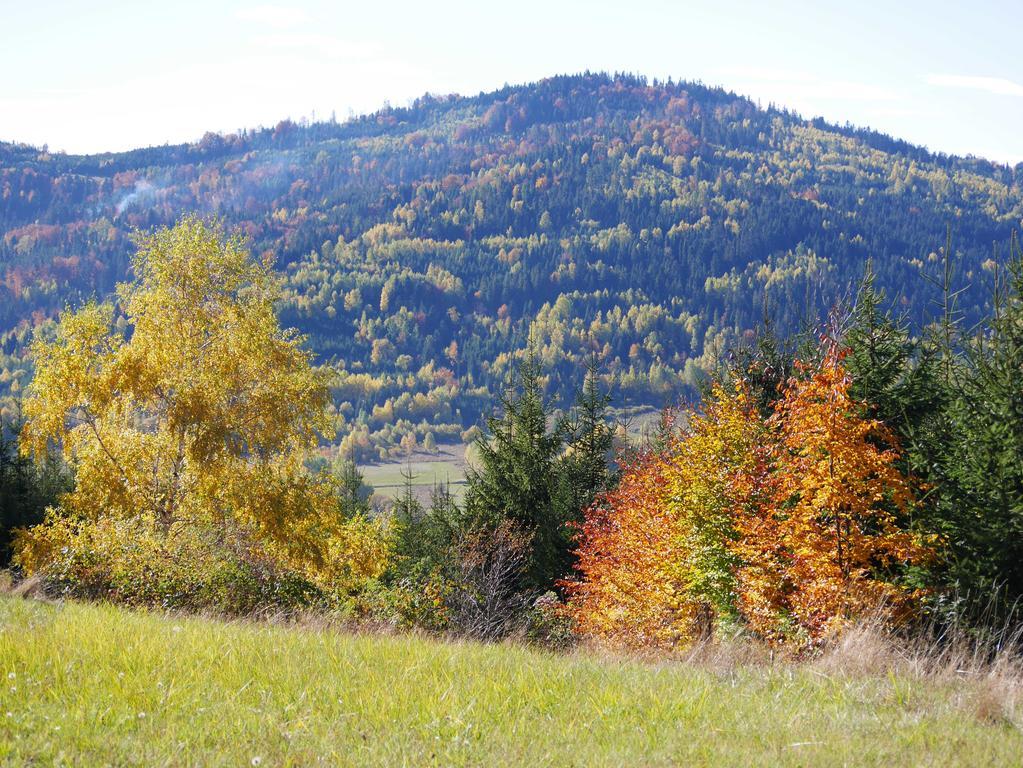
[
  {"x": 96, "y": 685},
  {"x": 640, "y": 423},
  {"x": 448, "y": 466},
  {"x": 388, "y": 477}
]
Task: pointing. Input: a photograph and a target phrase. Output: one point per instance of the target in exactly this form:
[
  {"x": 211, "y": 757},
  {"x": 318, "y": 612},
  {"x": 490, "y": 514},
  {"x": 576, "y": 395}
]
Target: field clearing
[
  {"x": 640, "y": 422},
  {"x": 448, "y": 464},
  {"x": 446, "y": 467},
  {"x": 89, "y": 685},
  {"x": 388, "y": 477}
]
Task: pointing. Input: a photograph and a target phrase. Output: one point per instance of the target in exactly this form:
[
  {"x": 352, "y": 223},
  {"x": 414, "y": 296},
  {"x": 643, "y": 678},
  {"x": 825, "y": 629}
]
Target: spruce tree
[
  {"x": 894, "y": 375},
  {"x": 765, "y": 364},
  {"x": 517, "y": 477},
  {"x": 585, "y": 468},
  {"x": 957, "y": 407},
  {"x": 352, "y": 487},
  {"x": 989, "y": 421},
  {"x": 407, "y": 508},
  {"x": 27, "y": 487},
  {"x": 901, "y": 381}
]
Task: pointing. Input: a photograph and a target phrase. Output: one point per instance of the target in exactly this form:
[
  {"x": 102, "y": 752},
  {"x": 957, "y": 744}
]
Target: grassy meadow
[
  {"x": 387, "y": 479},
  {"x": 94, "y": 685}
]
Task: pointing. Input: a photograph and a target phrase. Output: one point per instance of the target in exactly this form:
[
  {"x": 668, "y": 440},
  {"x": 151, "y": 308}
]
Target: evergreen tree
[
  {"x": 425, "y": 538},
  {"x": 957, "y": 409},
  {"x": 27, "y": 488},
  {"x": 902, "y": 382},
  {"x": 585, "y": 468},
  {"x": 989, "y": 454},
  {"x": 353, "y": 489},
  {"x": 765, "y": 365},
  {"x": 517, "y": 479},
  {"x": 898, "y": 376},
  {"x": 407, "y": 508}
]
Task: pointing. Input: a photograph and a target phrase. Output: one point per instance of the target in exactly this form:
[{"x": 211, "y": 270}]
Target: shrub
[
  {"x": 548, "y": 623},
  {"x": 189, "y": 568},
  {"x": 485, "y": 600}
]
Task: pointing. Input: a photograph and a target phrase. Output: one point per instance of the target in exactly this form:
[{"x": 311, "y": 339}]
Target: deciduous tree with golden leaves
[
  {"x": 657, "y": 555},
  {"x": 185, "y": 404},
  {"x": 789, "y": 526},
  {"x": 824, "y": 550}
]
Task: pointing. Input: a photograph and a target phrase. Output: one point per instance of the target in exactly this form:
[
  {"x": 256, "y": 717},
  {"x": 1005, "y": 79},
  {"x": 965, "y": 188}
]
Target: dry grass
[
  {"x": 980, "y": 671},
  {"x": 984, "y": 669},
  {"x": 31, "y": 589}
]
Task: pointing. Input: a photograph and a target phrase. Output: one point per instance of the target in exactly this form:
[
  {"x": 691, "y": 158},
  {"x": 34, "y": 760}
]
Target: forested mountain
[{"x": 649, "y": 224}]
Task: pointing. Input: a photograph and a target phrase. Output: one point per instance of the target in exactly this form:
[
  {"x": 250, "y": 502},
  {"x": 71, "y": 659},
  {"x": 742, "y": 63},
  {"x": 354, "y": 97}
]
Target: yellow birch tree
[{"x": 184, "y": 403}]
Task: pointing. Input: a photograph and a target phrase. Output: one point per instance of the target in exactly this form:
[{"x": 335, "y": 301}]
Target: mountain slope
[{"x": 650, "y": 224}]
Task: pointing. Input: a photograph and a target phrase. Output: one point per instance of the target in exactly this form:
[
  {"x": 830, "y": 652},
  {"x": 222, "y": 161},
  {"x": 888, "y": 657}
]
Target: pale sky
[{"x": 102, "y": 75}]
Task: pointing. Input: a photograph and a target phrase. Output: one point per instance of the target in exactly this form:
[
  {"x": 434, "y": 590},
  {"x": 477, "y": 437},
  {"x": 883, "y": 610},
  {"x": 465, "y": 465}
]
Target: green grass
[{"x": 97, "y": 685}]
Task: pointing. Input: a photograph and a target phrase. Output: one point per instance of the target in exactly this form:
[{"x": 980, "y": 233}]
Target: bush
[
  {"x": 421, "y": 603},
  {"x": 128, "y": 561},
  {"x": 485, "y": 600},
  {"x": 457, "y": 573},
  {"x": 548, "y": 623}
]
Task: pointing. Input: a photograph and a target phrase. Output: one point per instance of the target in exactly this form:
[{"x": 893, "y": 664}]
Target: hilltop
[{"x": 652, "y": 224}]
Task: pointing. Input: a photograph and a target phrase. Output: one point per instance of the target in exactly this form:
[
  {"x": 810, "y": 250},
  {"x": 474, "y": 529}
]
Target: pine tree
[
  {"x": 892, "y": 372},
  {"x": 353, "y": 490},
  {"x": 407, "y": 507},
  {"x": 27, "y": 487},
  {"x": 764, "y": 366},
  {"x": 898, "y": 380},
  {"x": 426, "y": 538},
  {"x": 410, "y": 545},
  {"x": 989, "y": 455}
]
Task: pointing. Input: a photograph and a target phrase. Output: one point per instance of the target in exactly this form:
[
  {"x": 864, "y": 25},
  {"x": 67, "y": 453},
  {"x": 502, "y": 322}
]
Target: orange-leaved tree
[
  {"x": 657, "y": 555},
  {"x": 826, "y": 549},
  {"x": 625, "y": 594}
]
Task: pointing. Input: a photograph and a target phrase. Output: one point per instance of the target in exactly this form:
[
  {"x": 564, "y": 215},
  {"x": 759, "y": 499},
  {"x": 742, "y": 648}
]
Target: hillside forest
[{"x": 651, "y": 226}]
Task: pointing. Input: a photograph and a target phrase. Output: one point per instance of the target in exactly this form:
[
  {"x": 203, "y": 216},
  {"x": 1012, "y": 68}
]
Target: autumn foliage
[
  {"x": 627, "y": 594},
  {"x": 187, "y": 413},
  {"x": 788, "y": 526}
]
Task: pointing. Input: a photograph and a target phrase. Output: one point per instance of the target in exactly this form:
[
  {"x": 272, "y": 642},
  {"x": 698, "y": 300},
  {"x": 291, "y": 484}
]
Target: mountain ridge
[{"x": 9, "y": 149}]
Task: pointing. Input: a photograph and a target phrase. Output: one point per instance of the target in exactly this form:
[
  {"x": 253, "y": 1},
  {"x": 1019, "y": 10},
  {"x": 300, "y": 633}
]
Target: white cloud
[
  {"x": 276, "y": 16},
  {"x": 996, "y": 85}
]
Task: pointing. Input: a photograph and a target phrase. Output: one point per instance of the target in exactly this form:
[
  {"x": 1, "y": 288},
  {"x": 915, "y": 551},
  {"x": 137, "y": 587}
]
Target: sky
[{"x": 105, "y": 75}]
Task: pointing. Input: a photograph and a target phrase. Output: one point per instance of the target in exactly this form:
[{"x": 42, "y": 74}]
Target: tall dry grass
[{"x": 984, "y": 664}]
